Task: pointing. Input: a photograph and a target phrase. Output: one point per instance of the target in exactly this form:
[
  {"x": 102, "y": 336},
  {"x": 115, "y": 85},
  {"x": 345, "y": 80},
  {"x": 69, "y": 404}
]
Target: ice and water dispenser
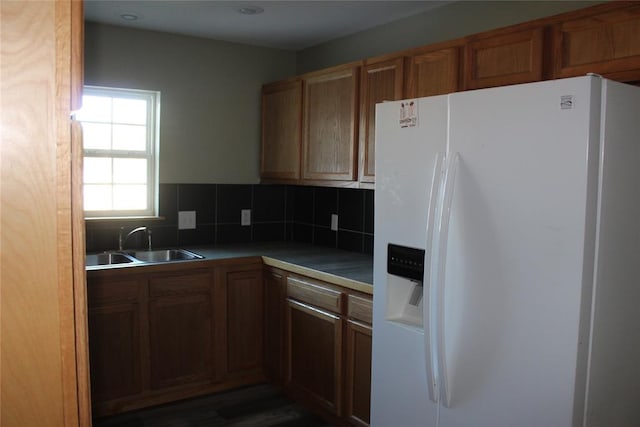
[{"x": 405, "y": 268}]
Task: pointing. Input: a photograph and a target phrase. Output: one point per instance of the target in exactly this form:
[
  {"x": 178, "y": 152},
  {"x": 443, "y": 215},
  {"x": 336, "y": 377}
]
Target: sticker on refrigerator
[
  {"x": 408, "y": 113},
  {"x": 566, "y": 102}
]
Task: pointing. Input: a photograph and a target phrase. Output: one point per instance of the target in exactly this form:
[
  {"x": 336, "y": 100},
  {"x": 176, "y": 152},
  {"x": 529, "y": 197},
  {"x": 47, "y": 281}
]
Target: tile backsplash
[{"x": 278, "y": 213}]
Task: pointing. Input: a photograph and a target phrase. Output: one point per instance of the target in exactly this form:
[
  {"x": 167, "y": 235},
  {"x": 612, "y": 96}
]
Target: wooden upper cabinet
[
  {"x": 281, "y": 130},
  {"x": 606, "y": 43},
  {"x": 504, "y": 58},
  {"x": 379, "y": 81},
  {"x": 433, "y": 72},
  {"x": 330, "y": 114}
]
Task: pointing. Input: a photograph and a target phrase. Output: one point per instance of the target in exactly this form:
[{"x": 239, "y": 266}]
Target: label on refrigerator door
[
  {"x": 566, "y": 102},
  {"x": 408, "y": 113}
]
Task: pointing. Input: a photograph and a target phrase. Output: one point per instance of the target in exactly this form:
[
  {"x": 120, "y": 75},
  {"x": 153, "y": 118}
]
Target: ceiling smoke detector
[
  {"x": 129, "y": 16},
  {"x": 250, "y": 10}
]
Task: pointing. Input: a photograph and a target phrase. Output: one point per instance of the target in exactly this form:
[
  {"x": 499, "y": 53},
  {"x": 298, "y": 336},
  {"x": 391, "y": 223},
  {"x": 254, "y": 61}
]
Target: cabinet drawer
[
  {"x": 360, "y": 309},
  {"x": 193, "y": 283},
  {"x": 314, "y": 294},
  {"x": 113, "y": 291}
]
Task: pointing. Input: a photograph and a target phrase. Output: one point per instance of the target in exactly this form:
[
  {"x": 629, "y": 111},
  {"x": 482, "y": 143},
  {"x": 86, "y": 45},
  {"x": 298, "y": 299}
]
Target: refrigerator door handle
[
  {"x": 428, "y": 313},
  {"x": 443, "y": 235}
]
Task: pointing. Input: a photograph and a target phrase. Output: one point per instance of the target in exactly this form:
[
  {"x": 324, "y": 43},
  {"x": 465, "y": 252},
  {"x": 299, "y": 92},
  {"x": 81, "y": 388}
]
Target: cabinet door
[
  {"x": 606, "y": 43},
  {"x": 330, "y": 114},
  {"x": 381, "y": 81},
  {"x": 358, "y": 373},
  {"x": 243, "y": 289},
  {"x": 433, "y": 72},
  {"x": 281, "y": 130},
  {"x": 274, "y": 311},
  {"x": 358, "y": 360},
  {"x": 504, "y": 59},
  {"x": 314, "y": 359},
  {"x": 116, "y": 350},
  {"x": 181, "y": 335}
]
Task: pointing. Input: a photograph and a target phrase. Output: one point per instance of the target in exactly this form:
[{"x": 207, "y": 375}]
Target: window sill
[{"x": 124, "y": 218}]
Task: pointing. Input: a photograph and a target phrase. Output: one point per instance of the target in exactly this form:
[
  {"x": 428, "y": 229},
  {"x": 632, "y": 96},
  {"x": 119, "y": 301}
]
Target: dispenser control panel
[{"x": 405, "y": 261}]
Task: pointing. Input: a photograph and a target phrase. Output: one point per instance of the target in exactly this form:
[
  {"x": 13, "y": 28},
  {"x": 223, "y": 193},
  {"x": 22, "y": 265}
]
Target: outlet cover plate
[
  {"x": 186, "y": 220},
  {"x": 245, "y": 217},
  {"x": 334, "y": 222}
]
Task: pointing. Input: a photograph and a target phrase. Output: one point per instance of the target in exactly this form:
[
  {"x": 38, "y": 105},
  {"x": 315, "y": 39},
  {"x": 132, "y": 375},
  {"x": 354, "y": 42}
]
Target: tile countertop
[{"x": 348, "y": 269}]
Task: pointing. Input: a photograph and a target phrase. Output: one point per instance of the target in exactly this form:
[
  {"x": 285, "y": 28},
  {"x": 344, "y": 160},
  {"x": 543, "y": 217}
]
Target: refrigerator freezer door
[
  {"x": 514, "y": 272},
  {"x": 405, "y": 159}
]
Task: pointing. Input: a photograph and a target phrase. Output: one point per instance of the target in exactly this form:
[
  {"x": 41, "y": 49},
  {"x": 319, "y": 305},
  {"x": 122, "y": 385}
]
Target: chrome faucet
[{"x": 123, "y": 240}]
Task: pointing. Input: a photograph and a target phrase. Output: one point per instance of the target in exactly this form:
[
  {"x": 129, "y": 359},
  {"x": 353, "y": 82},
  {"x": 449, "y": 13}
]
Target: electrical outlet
[
  {"x": 186, "y": 220},
  {"x": 334, "y": 222},
  {"x": 245, "y": 217}
]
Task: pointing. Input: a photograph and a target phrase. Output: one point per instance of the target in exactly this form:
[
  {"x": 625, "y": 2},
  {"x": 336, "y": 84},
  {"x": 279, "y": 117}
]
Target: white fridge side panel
[
  {"x": 515, "y": 253},
  {"x": 404, "y": 171},
  {"x": 614, "y": 382}
]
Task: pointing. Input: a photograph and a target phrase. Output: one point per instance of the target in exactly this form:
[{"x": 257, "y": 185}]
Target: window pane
[
  {"x": 130, "y": 171},
  {"x": 119, "y": 150},
  {"x": 129, "y": 197},
  {"x": 97, "y": 170},
  {"x": 129, "y": 137},
  {"x": 132, "y": 111},
  {"x": 96, "y": 136},
  {"x": 95, "y": 109},
  {"x": 97, "y": 198}
]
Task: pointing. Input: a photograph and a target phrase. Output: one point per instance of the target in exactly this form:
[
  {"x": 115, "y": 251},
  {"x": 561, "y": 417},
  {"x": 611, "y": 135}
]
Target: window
[{"x": 120, "y": 134}]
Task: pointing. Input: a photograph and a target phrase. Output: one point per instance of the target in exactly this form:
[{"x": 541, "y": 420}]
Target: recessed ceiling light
[
  {"x": 250, "y": 10},
  {"x": 129, "y": 16}
]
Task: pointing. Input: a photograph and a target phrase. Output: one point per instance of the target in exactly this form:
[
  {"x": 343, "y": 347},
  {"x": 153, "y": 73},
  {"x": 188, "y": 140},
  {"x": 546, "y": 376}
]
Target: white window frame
[{"x": 151, "y": 153}]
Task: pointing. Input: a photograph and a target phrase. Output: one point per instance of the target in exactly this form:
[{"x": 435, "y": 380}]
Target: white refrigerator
[{"x": 507, "y": 258}]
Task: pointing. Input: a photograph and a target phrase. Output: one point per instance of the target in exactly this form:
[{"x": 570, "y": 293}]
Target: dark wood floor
[{"x": 258, "y": 406}]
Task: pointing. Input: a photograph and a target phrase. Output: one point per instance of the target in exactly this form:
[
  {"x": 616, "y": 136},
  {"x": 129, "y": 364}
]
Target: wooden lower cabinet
[
  {"x": 118, "y": 357},
  {"x": 328, "y": 349},
  {"x": 167, "y": 332},
  {"x": 358, "y": 373},
  {"x": 314, "y": 341},
  {"x": 242, "y": 292},
  {"x": 164, "y": 333},
  {"x": 274, "y": 318},
  {"x": 358, "y": 361},
  {"x": 181, "y": 323}
]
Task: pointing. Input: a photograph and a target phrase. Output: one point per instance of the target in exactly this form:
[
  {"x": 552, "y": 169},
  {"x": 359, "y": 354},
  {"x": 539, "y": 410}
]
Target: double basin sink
[{"x": 126, "y": 257}]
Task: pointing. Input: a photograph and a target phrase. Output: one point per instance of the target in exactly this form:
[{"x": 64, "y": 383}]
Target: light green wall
[
  {"x": 210, "y": 113},
  {"x": 447, "y": 22}
]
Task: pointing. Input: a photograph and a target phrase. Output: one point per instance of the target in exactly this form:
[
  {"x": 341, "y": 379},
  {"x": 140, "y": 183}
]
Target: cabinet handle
[{"x": 312, "y": 309}]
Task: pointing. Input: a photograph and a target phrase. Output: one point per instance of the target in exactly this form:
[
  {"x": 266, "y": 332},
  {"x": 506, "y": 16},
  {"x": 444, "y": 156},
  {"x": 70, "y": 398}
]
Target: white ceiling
[{"x": 291, "y": 25}]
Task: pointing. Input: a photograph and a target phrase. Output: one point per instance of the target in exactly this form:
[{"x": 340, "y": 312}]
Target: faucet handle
[
  {"x": 121, "y": 239},
  {"x": 149, "y": 238}
]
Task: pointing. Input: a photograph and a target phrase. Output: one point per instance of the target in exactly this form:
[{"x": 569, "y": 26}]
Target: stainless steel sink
[
  {"x": 164, "y": 255},
  {"x": 108, "y": 258}
]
